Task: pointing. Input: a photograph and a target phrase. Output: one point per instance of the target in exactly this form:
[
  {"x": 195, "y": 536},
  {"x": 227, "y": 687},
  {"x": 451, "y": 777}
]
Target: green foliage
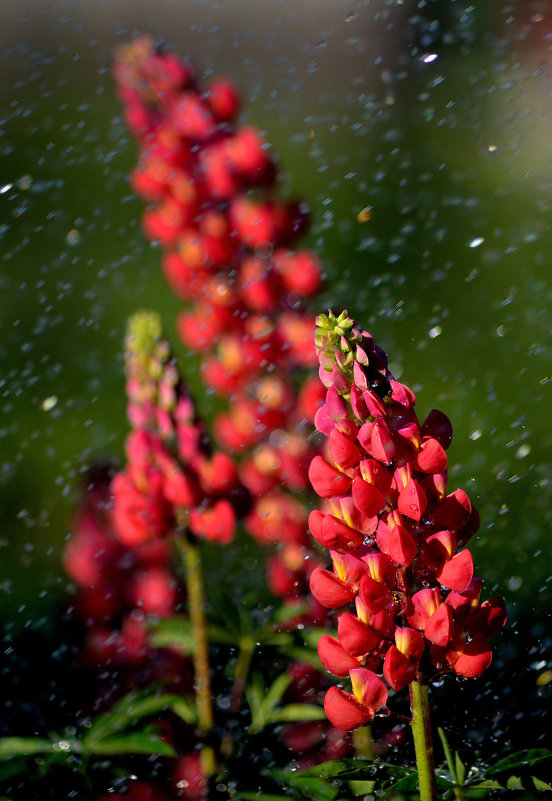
[
  {"x": 349, "y": 778},
  {"x": 265, "y": 709}
]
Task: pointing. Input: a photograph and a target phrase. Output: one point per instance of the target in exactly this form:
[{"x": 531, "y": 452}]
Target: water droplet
[
  {"x": 5, "y": 188},
  {"x": 73, "y": 237},
  {"x": 476, "y": 242},
  {"x": 435, "y": 331},
  {"x": 427, "y": 59},
  {"x": 523, "y": 451},
  {"x": 49, "y": 403}
]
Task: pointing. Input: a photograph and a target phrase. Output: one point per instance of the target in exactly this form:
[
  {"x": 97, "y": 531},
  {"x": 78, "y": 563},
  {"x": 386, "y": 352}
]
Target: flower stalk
[
  {"x": 423, "y": 743},
  {"x": 196, "y": 609}
]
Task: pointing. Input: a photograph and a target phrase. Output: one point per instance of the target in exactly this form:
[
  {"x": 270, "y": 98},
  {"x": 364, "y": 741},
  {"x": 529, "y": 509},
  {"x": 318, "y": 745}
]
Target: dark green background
[{"x": 444, "y": 152}]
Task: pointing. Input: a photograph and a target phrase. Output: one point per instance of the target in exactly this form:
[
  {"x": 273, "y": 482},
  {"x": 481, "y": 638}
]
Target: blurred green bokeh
[{"x": 436, "y": 118}]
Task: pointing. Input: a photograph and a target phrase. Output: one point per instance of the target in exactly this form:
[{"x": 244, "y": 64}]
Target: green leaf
[
  {"x": 261, "y": 796},
  {"x": 132, "y": 743},
  {"x": 12, "y": 766},
  {"x": 25, "y": 746},
  {"x": 339, "y": 768},
  {"x": 185, "y": 710},
  {"x": 514, "y": 783},
  {"x": 276, "y": 691},
  {"x": 519, "y": 758},
  {"x": 361, "y": 787},
  {"x": 262, "y": 703},
  {"x": 540, "y": 785},
  {"x": 309, "y": 786},
  {"x": 487, "y": 784},
  {"x": 174, "y": 633},
  {"x": 460, "y": 769},
  {"x": 128, "y": 711},
  {"x": 295, "y": 712}
]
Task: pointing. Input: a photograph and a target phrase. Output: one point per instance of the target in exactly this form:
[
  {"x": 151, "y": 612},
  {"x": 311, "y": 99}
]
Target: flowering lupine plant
[
  {"x": 397, "y": 539},
  {"x": 227, "y": 253}
]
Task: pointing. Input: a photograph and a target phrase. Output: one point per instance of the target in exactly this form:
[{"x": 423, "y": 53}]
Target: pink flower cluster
[
  {"x": 226, "y": 241},
  {"x": 120, "y": 554},
  {"x": 170, "y": 479},
  {"x": 396, "y": 535},
  {"x": 117, "y": 586}
]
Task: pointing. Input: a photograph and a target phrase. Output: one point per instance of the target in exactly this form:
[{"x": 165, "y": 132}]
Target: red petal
[
  {"x": 473, "y": 659},
  {"x": 375, "y": 473},
  {"x": 412, "y": 501},
  {"x": 398, "y": 671},
  {"x": 457, "y": 573},
  {"x": 410, "y": 643},
  {"x": 376, "y": 595},
  {"x": 374, "y": 404},
  {"x": 438, "y": 549},
  {"x": 343, "y": 710},
  {"x": 367, "y": 498},
  {"x": 357, "y": 404},
  {"x": 431, "y": 457},
  {"x": 402, "y": 394},
  {"x": 382, "y": 446},
  {"x": 365, "y": 435},
  {"x": 326, "y": 480},
  {"x": 344, "y": 452},
  {"x": 380, "y": 567},
  {"x": 338, "y": 535},
  {"x": 490, "y": 618},
  {"x": 424, "y": 604},
  {"x": 466, "y": 601},
  {"x": 369, "y": 689},
  {"x": 334, "y": 657},
  {"x": 356, "y": 637},
  {"x": 315, "y": 525},
  {"x": 322, "y": 420},
  {"x": 329, "y": 590},
  {"x": 439, "y": 627},
  {"x": 217, "y": 524},
  {"x": 439, "y": 426},
  {"x": 337, "y": 408},
  {"x": 397, "y": 543},
  {"x": 454, "y": 512}
]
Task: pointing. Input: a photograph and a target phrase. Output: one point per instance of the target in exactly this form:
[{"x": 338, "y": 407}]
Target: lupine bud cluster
[
  {"x": 395, "y": 533},
  {"x": 226, "y": 240},
  {"x": 170, "y": 477}
]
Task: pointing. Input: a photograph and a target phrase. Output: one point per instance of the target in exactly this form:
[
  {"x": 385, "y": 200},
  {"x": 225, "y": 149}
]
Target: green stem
[
  {"x": 196, "y": 608},
  {"x": 363, "y": 742},
  {"x": 247, "y": 648},
  {"x": 423, "y": 745},
  {"x": 241, "y": 671},
  {"x": 458, "y": 789}
]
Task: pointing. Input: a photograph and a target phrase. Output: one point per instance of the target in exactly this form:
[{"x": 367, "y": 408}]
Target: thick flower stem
[
  {"x": 196, "y": 609},
  {"x": 423, "y": 744}
]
